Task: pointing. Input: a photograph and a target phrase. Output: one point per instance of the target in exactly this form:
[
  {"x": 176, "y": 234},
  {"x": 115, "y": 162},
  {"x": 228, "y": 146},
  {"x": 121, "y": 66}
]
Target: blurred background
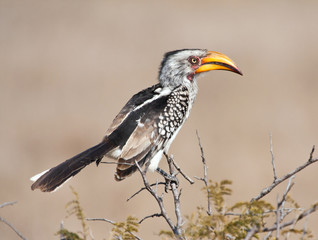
[{"x": 67, "y": 68}]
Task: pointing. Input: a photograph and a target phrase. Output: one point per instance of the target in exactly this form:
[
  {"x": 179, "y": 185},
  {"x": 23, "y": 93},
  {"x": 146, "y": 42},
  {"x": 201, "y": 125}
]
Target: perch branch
[
  {"x": 158, "y": 198},
  {"x": 176, "y": 197}
]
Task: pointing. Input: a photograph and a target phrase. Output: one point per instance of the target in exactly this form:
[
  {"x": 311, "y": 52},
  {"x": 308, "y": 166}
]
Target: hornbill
[{"x": 149, "y": 122}]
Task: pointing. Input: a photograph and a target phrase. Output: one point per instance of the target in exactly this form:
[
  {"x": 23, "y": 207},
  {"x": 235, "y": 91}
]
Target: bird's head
[{"x": 183, "y": 66}]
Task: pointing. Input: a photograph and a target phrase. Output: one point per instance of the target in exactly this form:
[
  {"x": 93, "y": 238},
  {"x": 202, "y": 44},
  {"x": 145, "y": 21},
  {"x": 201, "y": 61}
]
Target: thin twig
[
  {"x": 267, "y": 235},
  {"x": 251, "y": 233},
  {"x": 176, "y": 197},
  {"x": 293, "y": 221},
  {"x": 311, "y": 153},
  {"x": 205, "y": 176},
  {"x": 150, "y": 216},
  {"x": 281, "y": 204},
  {"x": 280, "y": 213},
  {"x": 13, "y": 228},
  {"x": 278, "y": 226},
  {"x": 61, "y": 228},
  {"x": 268, "y": 189},
  {"x": 101, "y": 219},
  {"x": 277, "y": 218},
  {"x": 158, "y": 199},
  {"x": 138, "y": 238},
  {"x": 182, "y": 173},
  {"x": 9, "y": 224},
  {"x": 117, "y": 163},
  {"x": 273, "y": 159},
  {"x": 7, "y": 204},
  {"x": 304, "y": 229},
  {"x": 260, "y": 214},
  {"x": 144, "y": 188}
]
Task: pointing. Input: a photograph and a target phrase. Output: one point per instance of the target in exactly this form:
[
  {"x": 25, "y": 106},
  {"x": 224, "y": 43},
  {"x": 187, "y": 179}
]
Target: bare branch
[
  {"x": 7, "y": 204},
  {"x": 288, "y": 188},
  {"x": 291, "y": 222},
  {"x": 268, "y": 189},
  {"x": 176, "y": 198},
  {"x": 9, "y": 224},
  {"x": 280, "y": 213},
  {"x": 116, "y": 163},
  {"x": 273, "y": 159},
  {"x": 138, "y": 238},
  {"x": 61, "y": 228},
  {"x": 311, "y": 153},
  {"x": 304, "y": 229},
  {"x": 251, "y": 233},
  {"x": 101, "y": 219},
  {"x": 150, "y": 216},
  {"x": 158, "y": 199},
  {"x": 205, "y": 178},
  {"x": 277, "y": 218},
  {"x": 278, "y": 226},
  {"x": 281, "y": 204},
  {"x": 267, "y": 235},
  {"x": 12, "y": 227},
  {"x": 144, "y": 188},
  {"x": 180, "y": 171}
]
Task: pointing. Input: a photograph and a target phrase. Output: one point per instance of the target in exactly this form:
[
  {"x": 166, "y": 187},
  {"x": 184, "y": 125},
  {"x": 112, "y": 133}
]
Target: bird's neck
[
  {"x": 191, "y": 85},
  {"x": 192, "y": 88}
]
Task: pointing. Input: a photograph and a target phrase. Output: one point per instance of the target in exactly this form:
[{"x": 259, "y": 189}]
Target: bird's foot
[{"x": 170, "y": 179}]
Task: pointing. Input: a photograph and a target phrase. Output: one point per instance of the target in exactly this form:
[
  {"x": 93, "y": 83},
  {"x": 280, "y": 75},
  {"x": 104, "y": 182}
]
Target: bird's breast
[{"x": 175, "y": 113}]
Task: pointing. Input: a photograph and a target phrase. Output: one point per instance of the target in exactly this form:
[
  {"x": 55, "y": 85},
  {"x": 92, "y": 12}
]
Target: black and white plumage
[{"x": 147, "y": 125}]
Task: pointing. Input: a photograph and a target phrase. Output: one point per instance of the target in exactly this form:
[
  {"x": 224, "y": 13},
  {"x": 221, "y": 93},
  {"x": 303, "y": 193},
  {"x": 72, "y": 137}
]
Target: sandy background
[{"x": 67, "y": 67}]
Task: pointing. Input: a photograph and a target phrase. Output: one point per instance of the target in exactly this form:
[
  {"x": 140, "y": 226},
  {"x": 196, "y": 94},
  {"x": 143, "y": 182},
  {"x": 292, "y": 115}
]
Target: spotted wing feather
[{"x": 138, "y": 136}]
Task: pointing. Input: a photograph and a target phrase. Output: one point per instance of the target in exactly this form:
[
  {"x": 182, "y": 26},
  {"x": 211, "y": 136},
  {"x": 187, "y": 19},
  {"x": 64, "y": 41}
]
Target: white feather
[
  {"x": 37, "y": 176},
  {"x": 115, "y": 153},
  {"x": 154, "y": 162},
  {"x": 165, "y": 91}
]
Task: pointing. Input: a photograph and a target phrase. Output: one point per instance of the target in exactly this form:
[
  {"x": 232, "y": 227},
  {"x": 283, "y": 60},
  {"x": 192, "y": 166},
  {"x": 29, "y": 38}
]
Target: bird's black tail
[{"x": 51, "y": 179}]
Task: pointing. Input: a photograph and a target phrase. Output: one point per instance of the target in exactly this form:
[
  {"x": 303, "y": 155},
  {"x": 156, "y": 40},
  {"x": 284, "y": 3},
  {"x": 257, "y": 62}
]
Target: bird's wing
[
  {"x": 135, "y": 130},
  {"x": 142, "y": 137},
  {"x": 139, "y": 147},
  {"x": 136, "y": 101}
]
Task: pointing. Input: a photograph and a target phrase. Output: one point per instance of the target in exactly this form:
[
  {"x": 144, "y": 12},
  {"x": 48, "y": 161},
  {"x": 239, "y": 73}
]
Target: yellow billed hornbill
[{"x": 149, "y": 122}]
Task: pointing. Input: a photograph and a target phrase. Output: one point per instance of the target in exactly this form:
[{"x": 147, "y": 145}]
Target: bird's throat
[{"x": 190, "y": 77}]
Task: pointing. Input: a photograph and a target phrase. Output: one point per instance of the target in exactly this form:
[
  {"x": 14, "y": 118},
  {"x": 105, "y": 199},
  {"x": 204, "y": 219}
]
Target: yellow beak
[{"x": 217, "y": 61}]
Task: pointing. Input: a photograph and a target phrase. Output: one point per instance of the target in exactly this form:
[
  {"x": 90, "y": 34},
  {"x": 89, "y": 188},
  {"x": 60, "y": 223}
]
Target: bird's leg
[
  {"x": 166, "y": 175},
  {"x": 168, "y": 178}
]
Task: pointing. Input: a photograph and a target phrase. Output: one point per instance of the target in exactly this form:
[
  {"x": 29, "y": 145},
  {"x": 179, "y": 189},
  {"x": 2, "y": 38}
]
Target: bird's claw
[{"x": 171, "y": 179}]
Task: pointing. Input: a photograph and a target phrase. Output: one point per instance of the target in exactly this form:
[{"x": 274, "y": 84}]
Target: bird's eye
[{"x": 193, "y": 60}]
